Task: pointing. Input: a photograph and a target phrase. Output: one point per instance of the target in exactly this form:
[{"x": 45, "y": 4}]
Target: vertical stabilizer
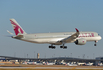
[{"x": 17, "y": 28}]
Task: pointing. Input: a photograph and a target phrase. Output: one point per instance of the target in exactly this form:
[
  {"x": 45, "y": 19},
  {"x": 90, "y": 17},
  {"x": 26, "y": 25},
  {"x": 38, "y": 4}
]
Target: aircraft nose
[{"x": 100, "y": 37}]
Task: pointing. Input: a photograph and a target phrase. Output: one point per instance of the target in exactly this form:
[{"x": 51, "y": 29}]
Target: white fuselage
[{"x": 52, "y": 38}]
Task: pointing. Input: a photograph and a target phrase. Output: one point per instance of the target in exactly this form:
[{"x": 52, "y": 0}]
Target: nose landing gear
[{"x": 95, "y": 43}]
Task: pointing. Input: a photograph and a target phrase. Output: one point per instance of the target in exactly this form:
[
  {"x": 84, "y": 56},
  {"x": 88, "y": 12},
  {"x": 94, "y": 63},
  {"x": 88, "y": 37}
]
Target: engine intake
[{"x": 80, "y": 42}]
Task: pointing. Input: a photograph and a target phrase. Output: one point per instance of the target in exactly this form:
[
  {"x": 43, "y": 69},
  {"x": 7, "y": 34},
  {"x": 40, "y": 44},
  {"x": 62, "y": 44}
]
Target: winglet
[{"x": 76, "y": 30}]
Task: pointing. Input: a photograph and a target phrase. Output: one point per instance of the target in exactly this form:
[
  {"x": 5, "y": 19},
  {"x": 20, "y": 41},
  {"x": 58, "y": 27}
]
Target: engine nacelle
[{"x": 80, "y": 42}]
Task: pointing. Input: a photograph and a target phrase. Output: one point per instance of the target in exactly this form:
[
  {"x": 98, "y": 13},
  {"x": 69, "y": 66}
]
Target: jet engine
[{"x": 80, "y": 41}]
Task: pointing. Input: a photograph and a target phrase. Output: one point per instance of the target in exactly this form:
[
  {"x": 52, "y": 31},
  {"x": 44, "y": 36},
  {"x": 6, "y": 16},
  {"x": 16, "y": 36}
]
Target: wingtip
[{"x": 76, "y": 29}]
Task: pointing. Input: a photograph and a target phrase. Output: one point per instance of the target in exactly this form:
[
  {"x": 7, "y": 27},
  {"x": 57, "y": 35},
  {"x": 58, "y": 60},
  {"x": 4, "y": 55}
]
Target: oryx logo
[{"x": 16, "y": 28}]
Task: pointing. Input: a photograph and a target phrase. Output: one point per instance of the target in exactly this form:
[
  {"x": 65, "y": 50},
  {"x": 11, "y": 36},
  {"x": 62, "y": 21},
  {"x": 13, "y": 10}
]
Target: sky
[{"x": 44, "y": 16}]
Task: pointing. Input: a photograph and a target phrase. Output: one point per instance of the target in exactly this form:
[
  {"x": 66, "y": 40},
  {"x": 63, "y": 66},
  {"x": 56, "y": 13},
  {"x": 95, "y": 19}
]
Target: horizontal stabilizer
[
  {"x": 10, "y": 32},
  {"x": 18, "y": 36}
]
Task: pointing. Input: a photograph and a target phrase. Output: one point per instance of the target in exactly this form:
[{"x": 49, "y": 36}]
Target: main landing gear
[
  {"x": 64, "y": 47},
  {"x": 53, "y": 47},
  {"x": 95, "y": 43}
]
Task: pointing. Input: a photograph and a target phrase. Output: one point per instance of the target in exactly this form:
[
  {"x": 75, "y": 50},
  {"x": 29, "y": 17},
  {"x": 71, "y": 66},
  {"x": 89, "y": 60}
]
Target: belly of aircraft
[{"x": 46, "y": 40}]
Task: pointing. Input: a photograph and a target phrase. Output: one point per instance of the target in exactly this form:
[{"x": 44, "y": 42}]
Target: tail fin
[{"x": 17, "y": 28}]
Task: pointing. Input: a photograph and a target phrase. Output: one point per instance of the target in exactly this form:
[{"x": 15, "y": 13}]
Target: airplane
[
  {"x": 69, "y": 64},
  {"x": 61, "y": 38},
  {"x": 89, "y": 64}
]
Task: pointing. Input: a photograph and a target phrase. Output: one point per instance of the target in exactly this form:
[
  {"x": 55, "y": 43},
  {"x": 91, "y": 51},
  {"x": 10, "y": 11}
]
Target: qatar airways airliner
[{"x": 79, "y": 38}]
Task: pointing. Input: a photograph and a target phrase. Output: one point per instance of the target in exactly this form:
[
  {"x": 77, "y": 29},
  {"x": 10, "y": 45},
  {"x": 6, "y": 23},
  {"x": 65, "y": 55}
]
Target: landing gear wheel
[
  {"x": 64, "y": 47},
  {"x": 49, "y": 46},
  {"x": 53, "y": 47},
  {"x": 95, "y": 44},
  {"x": 61, "y": 46}
]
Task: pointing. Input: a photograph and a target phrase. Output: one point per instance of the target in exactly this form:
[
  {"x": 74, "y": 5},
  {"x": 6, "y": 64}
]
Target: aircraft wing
[{"x": 70, "y": 38}]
